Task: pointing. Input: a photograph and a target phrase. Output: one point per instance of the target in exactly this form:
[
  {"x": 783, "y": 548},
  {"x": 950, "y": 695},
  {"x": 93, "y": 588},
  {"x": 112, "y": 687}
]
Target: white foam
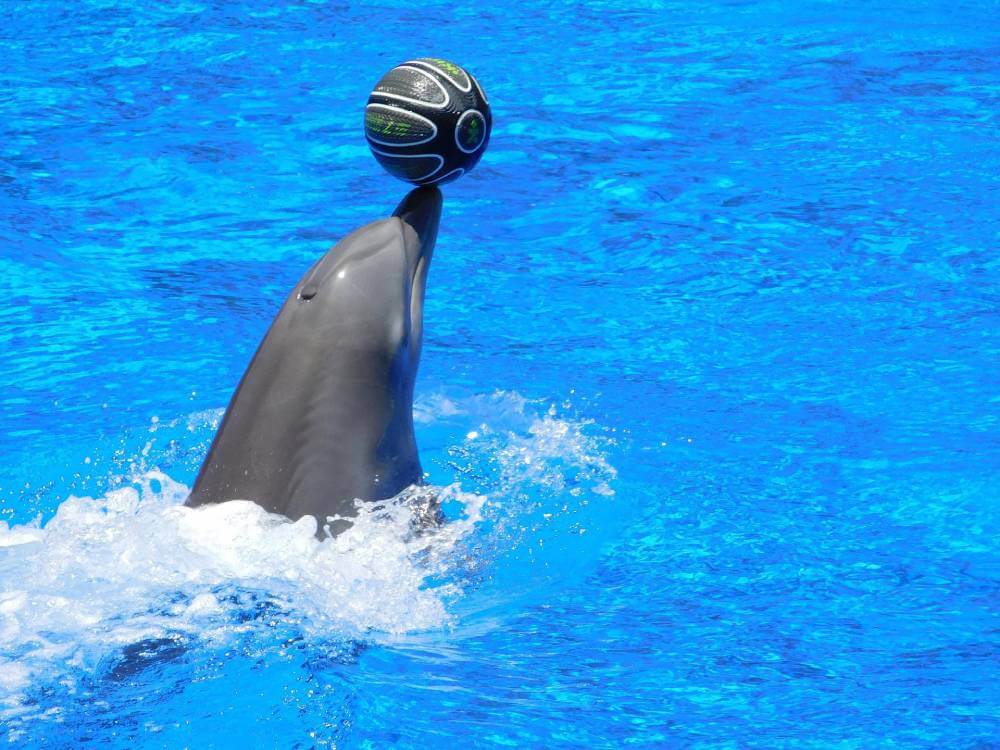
[
  {"x": 136, "y": 564},
  {"x": 109, "y": 572}
]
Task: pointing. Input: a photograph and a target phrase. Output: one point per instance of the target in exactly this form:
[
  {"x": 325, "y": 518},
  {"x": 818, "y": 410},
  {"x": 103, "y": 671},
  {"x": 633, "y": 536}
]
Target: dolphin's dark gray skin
[{"x": 324, "y": 413}]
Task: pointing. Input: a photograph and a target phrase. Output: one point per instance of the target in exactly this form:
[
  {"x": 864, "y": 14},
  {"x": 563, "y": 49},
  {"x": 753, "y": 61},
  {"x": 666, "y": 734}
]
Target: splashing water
[{"x": 134, "y": 569}]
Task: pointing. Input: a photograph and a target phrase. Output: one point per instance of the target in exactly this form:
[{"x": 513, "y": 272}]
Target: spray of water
[{"x": 135, "y": 565}]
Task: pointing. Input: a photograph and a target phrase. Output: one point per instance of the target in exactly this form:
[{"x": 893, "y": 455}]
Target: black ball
[{"x": 428, "y": 121}]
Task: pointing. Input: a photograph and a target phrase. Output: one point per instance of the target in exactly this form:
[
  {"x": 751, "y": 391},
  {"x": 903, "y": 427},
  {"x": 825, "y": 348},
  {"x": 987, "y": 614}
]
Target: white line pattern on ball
[
  {"x": 480, "y": 90},
  {"x": 445, "y": 73},
  {"x": 411, "y": 100},
  {"x": 413, "y": 156},
  {"x": 447, "y": 175}
]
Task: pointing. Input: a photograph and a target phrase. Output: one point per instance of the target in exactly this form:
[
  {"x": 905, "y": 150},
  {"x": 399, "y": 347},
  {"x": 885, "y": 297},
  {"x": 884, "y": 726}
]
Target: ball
[{"x": 428, "y": 121}]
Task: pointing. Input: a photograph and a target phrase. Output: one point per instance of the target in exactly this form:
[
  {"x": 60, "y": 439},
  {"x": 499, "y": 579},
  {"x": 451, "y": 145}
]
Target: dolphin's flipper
[{"x": 324, "y": 413}]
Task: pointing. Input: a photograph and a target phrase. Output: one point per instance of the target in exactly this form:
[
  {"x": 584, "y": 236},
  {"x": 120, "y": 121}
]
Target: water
[{"x": 709, "y": 382}]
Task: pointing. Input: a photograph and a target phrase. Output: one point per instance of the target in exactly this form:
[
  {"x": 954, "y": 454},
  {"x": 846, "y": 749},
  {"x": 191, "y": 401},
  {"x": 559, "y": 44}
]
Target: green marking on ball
[
  {"x": 472, "y": 132},
  {"x": 384, "y": 124},
  {"x": 448, "y": 67}
]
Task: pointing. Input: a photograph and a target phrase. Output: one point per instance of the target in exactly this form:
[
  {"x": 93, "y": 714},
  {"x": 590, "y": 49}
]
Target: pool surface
[{"x": 710, "y": 386}]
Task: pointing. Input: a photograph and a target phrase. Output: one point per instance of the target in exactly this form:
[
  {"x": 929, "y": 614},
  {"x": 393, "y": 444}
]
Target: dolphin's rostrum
[{"x": 324, "y": 413}]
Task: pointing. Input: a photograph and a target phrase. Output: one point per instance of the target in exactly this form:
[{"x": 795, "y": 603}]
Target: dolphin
[{"x": 324, "y": 413}]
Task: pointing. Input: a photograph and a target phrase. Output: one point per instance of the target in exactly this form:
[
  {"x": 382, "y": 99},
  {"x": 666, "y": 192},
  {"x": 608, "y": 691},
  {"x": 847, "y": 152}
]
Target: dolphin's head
[
  {"x": 367, "y": 293},
  {"x": 323, "y": 415}
]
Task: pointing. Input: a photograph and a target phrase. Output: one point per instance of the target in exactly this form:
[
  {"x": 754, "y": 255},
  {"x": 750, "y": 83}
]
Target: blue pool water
[{"x": 710, "y": 382}]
